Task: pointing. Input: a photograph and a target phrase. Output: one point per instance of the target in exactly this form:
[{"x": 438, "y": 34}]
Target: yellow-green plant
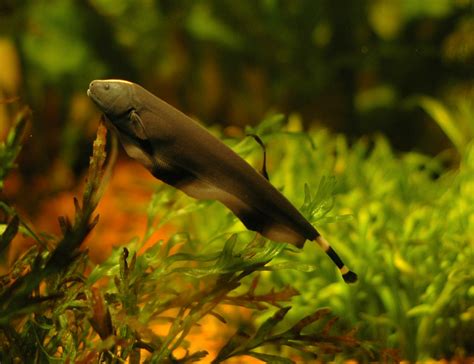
[
  {"x": 402, "y": 222},
  {"x": 52, "y": 311},
  {"x": 456, "y": 121},
  {"x": 409, "y": 239}
]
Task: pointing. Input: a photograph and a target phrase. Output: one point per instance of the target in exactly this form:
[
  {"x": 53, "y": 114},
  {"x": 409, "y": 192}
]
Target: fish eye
[{"x": 106, "y": 86}]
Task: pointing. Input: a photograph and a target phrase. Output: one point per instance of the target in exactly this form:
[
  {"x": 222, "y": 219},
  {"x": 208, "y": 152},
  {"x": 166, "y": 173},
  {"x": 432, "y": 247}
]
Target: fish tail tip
[{"x": 350, "y": 277}]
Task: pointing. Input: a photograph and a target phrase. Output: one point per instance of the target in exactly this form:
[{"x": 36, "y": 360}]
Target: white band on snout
[{"x": 118, "y": 81}]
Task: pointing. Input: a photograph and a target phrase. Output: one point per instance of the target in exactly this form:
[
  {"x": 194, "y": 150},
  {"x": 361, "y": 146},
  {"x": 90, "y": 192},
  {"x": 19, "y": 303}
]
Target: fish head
[{"x": 120, "y": 104}]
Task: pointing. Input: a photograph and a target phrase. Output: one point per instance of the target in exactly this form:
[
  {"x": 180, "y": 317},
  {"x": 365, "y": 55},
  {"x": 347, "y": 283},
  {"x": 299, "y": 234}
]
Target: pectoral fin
[{"x": 137, "y": 125}]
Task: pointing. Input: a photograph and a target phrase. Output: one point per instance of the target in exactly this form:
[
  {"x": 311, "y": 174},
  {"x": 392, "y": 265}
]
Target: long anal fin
[
  {"x": 252, "y": 218},
  {"x": 348, "y": 275}
]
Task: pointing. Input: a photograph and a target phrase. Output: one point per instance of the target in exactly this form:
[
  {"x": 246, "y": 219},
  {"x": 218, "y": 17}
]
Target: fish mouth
[{"x": 94, "y": 98}]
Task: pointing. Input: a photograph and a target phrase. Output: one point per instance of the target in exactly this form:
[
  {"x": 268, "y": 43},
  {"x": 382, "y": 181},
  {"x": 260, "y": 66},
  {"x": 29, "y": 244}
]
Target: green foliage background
[
  {"x": 397, "y": 207},
  {"x": 349, "y": 65}
]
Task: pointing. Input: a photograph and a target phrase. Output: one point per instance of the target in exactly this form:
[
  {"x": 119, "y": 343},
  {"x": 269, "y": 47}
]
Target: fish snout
[{"x": 98, "y": 87}]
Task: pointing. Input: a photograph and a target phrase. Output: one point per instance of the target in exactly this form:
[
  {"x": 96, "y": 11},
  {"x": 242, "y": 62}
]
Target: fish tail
[{"x": 348, "y": 275}]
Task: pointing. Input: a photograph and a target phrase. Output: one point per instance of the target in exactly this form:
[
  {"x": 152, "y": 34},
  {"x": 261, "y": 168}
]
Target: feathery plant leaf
[
  {"x": 444, "y": 119},
  {"x": 456, "y": 121},
  {"x": 110, "y": 315},
  {"x": 22, "y": 297},
  {"x": 318, "y": 206},
  {"x": 8, "y": 233},
  {"x": 11, "y": 147},
  {"x": 313, "y": 342}
]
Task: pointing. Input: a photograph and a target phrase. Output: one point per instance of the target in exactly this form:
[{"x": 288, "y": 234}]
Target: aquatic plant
[
  {"x": 57, "y": 306},
  {"x": 402, "y": 222}
]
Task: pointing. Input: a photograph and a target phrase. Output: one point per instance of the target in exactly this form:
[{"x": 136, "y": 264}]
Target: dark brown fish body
[{"x": 183, "y": 154}]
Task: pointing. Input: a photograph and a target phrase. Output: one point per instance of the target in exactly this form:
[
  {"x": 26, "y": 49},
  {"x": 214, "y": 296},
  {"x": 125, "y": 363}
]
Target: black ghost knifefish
[{"x": 182, "y": 153}]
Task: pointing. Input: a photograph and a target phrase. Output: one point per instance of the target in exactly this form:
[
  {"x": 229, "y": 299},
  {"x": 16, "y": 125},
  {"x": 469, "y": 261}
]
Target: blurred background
[
  {"x": 353, "y": 67},
  {"x": 399, "y": 68}
]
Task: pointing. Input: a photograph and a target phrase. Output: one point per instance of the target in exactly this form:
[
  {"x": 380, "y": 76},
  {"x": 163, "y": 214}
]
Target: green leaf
[
  {"x": 308, "y": 320},
  {"x": 268, "y": 358},
  {"x": 420, "y": 310},
  {"x": 10, "y": 149},
  {"x": 317, "y": 206},
  {"x": 8, "y": 234},
  {"x": 441, "y": 115},
  {"x": 269, "y": 125},
  {"x": 292, "y": 265},
  {"x": 265, "y": 329},
  {"x": 236, "y": 341}
]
